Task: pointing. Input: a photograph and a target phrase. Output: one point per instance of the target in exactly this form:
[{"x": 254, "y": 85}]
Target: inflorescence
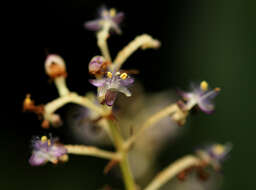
[{"x": 111, "y": 81}]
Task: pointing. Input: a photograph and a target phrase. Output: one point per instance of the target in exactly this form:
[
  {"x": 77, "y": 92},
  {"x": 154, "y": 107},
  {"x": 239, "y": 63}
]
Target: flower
[
  {"x": 97, "y": 65},
  {"x": 106, "y": 16},
  {"x": 47, "y": 150},
  {"x": 111, "y": 84},
  {"x": 200, "y": 96},
  {"x": 219, "y": 152},
  {"x": 215, "y": 154},
  {"x": 55, "y": 66}
]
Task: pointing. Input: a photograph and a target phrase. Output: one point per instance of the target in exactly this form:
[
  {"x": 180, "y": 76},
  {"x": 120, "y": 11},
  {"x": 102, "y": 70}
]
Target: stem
[
  {"x": 91, "y": 151},
  {"x": 124, "y": 165},
  {"x": 102, "y": 36},
  {"x": 51, "y": 107},
  {"x": 151, "y": 121},
  {"x": 171, "y": 171},
  {"x": 144, "y": 41},
  {"x": 61, "y": 85}
]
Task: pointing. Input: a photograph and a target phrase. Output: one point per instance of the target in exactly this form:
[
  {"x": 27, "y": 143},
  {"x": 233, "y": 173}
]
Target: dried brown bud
[
  {"x": 55, "y": 66},
  {"x": 45, "y": 124}
]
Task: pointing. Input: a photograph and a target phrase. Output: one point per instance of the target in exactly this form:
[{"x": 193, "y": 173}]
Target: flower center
[
  {"x": 112, "y": 12},
  {"x": 218, "y": 149},
  {"x": 204, "y": 86},
  {"x": 109, "y": 75}
]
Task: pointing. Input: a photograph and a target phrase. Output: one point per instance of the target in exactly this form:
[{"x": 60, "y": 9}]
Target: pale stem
[
  {"x": 151, "y": 121},
  {"x": 124, "y": 165},
  {"x": 53, "y": 106},
  {"x": 172, "y": 170},
  {"x": 61, "y": 86},
  {"x": 143, "y": 41},
  {"x": 92, "y": 151},
  {"x": 102, "y": 37}
]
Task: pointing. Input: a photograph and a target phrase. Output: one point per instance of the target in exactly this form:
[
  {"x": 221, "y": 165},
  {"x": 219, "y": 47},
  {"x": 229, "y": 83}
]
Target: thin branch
[
  {"x": 61, "y": 86},
  {"x": 172, "y": 170},
  {"x": 92, "y": 151},
  {"x": 151, "y": 121},
  {"x": 102, "y": 37},
  {"x": 143, "y": 41},
  {"x": 56, "y": 104}
]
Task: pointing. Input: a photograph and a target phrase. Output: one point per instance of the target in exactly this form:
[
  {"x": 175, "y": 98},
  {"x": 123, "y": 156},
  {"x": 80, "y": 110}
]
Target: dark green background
[{"x": 209, "y": 40}]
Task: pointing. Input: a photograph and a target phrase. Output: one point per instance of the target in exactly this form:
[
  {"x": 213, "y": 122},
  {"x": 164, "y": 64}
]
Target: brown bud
[
  {"x": 45, "y": 124},
  {"x": 55, "y": 66}
]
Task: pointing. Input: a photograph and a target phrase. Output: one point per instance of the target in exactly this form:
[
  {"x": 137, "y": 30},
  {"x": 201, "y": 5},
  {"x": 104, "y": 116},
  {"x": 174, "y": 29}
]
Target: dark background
[{"x": 209, "y": 40}]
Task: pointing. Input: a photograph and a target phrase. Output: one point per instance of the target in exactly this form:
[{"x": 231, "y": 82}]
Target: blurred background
[{"x": 201, "y": 40}]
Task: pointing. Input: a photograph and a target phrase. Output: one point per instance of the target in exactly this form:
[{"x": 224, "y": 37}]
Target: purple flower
[
  {"x": 215, "y": 154},
  {"x": 109, "y": 86},
  {"x": 219, "y": 152},
  {"x": 201, "y": 96},
  {"x": 110, "y": 16},
  {"x": 47, "y": 150}
]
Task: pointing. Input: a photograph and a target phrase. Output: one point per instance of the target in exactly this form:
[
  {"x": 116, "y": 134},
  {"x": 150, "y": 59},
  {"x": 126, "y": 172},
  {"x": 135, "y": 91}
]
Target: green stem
[{"x": 124, "y": 165}]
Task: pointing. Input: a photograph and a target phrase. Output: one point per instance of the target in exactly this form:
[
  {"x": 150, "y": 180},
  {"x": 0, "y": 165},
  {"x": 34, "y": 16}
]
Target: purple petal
[
  {"x": 206, "y": 107},
  {"x": 118, "y": 18},
  {"x": 127, "y": 81},
  {"x": 57, "y": 150},
  {"x": 36, "y": 160},
  {"x": 110, "y": 97},
  {"x": 98, "y": 82},
  {"x": 93, "y": 25}
]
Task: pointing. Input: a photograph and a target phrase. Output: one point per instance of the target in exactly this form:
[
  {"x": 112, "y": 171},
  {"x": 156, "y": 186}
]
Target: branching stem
[
  {"x": 143, "y": 41},
  {"x": 171, "y": 171}
]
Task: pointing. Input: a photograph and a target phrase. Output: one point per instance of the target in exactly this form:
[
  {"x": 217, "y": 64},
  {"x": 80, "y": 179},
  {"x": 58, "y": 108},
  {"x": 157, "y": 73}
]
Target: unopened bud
[{"x": 55, "y": 66}]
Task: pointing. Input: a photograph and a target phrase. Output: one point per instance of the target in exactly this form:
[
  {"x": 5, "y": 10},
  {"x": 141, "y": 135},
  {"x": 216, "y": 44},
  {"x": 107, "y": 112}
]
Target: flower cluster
[{"x": 96, "y": 112}]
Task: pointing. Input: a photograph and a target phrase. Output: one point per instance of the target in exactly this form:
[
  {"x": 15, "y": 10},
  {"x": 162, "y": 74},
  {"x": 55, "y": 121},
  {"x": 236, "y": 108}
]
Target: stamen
[
  {"x": 112, "y": 12},
  {"x": 204, "y": 85},
  {"x": 28, "y": 100},
  {"x": 44, "y": 139},
  {"x": 109, "y": 75},
  {"x": 210, "y": 93},
  {"x": 117, "y": 73},
  {"x": 218, "y": 149},
  {"x": 123, "y": 76}
]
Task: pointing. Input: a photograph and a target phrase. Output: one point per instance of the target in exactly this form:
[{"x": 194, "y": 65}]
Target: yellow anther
[
  {"x": 123, "y": 76},
  {"x": 217, "y": 89},
  {"x": 49, "y": 143},
  {"x": 28, "y": 99},
  {"x": 218, "y": 149},
  {"x": 112, "y": 12},
  {"x": 204, "y": 85},
  {"x": 44, "y": 139},
  {"x": 109, "y": 75}
]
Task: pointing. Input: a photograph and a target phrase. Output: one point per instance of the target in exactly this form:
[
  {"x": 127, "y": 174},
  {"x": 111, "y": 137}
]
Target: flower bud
[
  {"x": 55, "y": 66},
  {"x": 97, "y": 65}
]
